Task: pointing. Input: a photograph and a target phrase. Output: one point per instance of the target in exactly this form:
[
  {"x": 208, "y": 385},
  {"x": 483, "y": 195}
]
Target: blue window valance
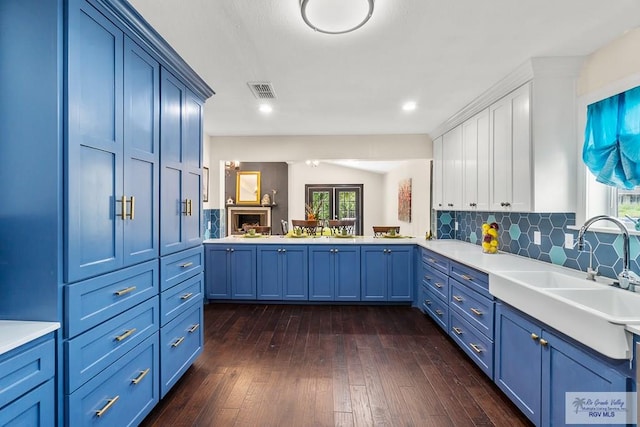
[{"x": 612, "y": 140}]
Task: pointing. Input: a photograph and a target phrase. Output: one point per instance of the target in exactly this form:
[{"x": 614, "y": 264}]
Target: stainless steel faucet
[{"x": 626, "y": 277}]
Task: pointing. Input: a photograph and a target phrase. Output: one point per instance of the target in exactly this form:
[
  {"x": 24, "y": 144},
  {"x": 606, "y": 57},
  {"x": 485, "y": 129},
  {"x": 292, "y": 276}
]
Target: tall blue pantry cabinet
[{"x": 100, "y": 167}]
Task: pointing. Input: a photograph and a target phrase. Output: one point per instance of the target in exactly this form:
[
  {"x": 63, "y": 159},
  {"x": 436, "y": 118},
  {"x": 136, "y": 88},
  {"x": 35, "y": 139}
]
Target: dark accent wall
[{"x": 273, "y": 176}]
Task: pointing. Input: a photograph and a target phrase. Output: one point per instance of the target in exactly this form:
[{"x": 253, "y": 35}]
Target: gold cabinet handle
[
  {"x": 123, "y": 208},
  {"x": 458, "y": 331},
  {"x": 178, "y": 342},
  {"x": 186, "y": 264},
  {"x": 105, "y": 408},
  {"x": 465, "y": 277},
  {"x": 141, "y": 376},
  {"x": 431, "y": 260},
  {"x": 126, "y": 334},
  {"x": 190, "y": 207},
  {"x": 186, "y": 207},
  {"x": 476, "y": 311},
  {"x": 438, "y": 285},
  {"x": 132, "y": 207},
  {"x": 439, "y": 312},
  {"x": 124, "y": 291},
  {"x": 428, "y": 302},
  {"x": 194, "y": 328},
  {"x": 534, "y": 336},
  {"x": 186, "y": 296},
  {"x": 543, "y": 342},
  {"x": 475, "y": 348},
  {"x": 427, "y": 278},
  {"x": 457, "y": 298}
]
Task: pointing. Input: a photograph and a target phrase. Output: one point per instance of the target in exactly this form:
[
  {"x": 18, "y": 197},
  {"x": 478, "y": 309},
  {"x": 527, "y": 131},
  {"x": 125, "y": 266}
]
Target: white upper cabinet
[
  {"x": 452, "y": 169},
  {"x": 475, "y": 162},
  {"x": 438, "y": 203}
]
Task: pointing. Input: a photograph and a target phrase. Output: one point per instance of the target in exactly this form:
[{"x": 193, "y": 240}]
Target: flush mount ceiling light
[
  {"x": 265, "y": 108},
  {"x": 336, "y": 16},
  {"x": 409, "y": 106}
]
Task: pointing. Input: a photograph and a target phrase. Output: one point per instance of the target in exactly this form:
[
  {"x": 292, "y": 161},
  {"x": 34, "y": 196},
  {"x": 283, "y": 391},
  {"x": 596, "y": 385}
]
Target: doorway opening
[{"x": 337, "y": 201}]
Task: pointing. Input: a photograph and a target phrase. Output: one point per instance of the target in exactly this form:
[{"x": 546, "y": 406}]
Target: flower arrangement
[{"x": 313, "y": 211}]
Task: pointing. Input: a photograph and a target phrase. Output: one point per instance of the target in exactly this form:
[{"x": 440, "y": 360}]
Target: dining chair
[
  {"x": 309, "y": 227},
  {"x": 337, "y": 225},
  {"x": 379, "y": 230}
]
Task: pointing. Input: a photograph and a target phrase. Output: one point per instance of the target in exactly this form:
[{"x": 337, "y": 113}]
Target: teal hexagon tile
[
  {"x": 557, "y": 255},
  {"x": 514, "y": 231},
  {"x": 491, "y": 218},
  {"x": 473, "y": 237},
  {"x": 618, "y": 245},
  {"x": 446, "y": 218},
  {"x": 634, "y": 246}
]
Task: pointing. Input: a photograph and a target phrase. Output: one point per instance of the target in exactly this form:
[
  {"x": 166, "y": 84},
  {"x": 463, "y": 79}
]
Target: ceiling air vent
[{"x": 262, "y": 90}]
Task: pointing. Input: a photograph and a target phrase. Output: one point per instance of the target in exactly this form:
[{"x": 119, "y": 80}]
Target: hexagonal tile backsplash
[{"x": 516, "y": 236}]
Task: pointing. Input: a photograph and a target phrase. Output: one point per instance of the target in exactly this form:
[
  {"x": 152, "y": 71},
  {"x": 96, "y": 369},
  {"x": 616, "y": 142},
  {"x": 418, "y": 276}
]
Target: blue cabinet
[
  {"x": 112, "y": 147},
  {"x": 387, "y": 273},
  {"x": 181, "y": 136},
  {"x": 282, "y": 272},
  {"x": 536, "y": 367},
  {"x": 230, "y": 271},
  {"x": 334, "y": 273}
]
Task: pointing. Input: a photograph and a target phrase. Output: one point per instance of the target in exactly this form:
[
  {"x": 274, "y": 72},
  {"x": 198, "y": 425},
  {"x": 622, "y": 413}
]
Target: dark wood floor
[{"x": 288, "y": 365}]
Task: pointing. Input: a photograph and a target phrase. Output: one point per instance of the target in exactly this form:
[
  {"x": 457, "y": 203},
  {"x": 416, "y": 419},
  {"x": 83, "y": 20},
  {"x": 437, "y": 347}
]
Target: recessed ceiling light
[
  {"x": 409, "y": 106},
  {"x": 266, "y": 108}
]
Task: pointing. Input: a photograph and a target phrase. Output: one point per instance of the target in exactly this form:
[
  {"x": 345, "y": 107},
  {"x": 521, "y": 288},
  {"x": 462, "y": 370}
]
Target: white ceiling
[{"x": 441, "y": 54}]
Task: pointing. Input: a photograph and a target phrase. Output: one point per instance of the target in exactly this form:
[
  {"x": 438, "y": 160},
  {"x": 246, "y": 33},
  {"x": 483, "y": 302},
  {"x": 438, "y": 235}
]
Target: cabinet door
[
  {"x": 36, "y": 408},
  {"x": 172, "y": 203},
  {"x": 438, "y": 203},
  {"x": 295, "y": 275},
  {"x": 216, "y": 272},
  {"x": 346, "y": 261},
  {"x": 192, "y": 170},
  {"x": 243, "y": 271},
  {"x": 321, "y": 273},
  {"x": 269, "y": 272},
  {"x": 400, "y": 271},
  {"x": 475, "y": 162},
  {"x": 141, "y": 154},
  {"x": 374, "y": 273},
  {"x": 521, "y": 187},
  {"x": 500, "y": 178},
  {"x": 452, "y": 172},
  {"x": 95, "y": 144},
  {"x": 565, "y": 368},
  {"x": 518, "y": 361}
]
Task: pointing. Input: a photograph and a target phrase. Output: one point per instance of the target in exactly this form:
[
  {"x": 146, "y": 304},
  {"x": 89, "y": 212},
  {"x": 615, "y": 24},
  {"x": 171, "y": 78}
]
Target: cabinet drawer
[
  {"x": 179, "y": 298},
  {"x": 436, "y": 308},
  {"x": 121, "y": 395},
  {"x": 180, "y": 266},
  {"x": 435, "y": 260},
  {"x": 478, "y": 310},
  {"x": 96, "y": 300},
  {"x": 473, "y": 342},
  {"x": 181, "y": 343},
  {"x": 474, "y": 279},
  {"x": 90, "y": 353},
  {"x": 36, "y": 408},
  {"x": 25, "y": 368},
  {"x": 437, "y": 281}
]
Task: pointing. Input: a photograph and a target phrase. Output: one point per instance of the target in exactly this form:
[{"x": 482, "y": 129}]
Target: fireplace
[{"x": 237, "y": 216}]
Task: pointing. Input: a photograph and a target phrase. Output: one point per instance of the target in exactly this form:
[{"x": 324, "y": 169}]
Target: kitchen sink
[
  {"x": 549, "y": 279},
  {"x": 616, "y": 305}
]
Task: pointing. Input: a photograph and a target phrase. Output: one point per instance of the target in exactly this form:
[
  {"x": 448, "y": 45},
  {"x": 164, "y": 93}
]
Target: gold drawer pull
[
  {"x": 186, "y": 296},
  {"x": 124, "y": 291},
  {"x": 439, "y": 312},
  {"x": 108, "y": 406},
  {"x": 543, "y": 342},
  {"x": 438, "y": 285},
  {"x": 534, "y": 336},
  {"x": 427, "y": 278},
  {"x": 476, "y": 311},
  {"x": 186, "y": 264},
  {"x": 126, "y": 334},
  {"x": 428, "y": 302},
  {"x": 475, "y": 348},
  {"x": 141, "y": 376},
  {"x": 457, "y": 298},
  {"x": 465, "y": 277},
  {"x": 194, "y": 328},
  {"x": 431, "y": 260},
  {"x": 458, "y": 331},
  {"x": 177, "y": 343}
]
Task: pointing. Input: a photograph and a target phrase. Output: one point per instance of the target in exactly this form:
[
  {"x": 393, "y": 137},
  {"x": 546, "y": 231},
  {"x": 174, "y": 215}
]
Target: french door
[{"x": 336, "y": 201}]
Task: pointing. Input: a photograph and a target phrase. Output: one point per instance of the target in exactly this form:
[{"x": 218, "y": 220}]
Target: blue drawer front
[
  {"x": 181, "y": 342},
  {"x": 35, "y": 408},
  {"x": 179, "y": 298},
  {"x": 474, "y": 279},
  {"x": 90, "y": 353},
  {"x": 25, "y": 368},
  {"x": 473, "y": 342},
  {"x": 437, "y": 281},
  {"x": 435, "y": 260},
  {"x": 126, "y": 391},
  {"x": 178, "y": 267},
  {"x": 476, "y": 309},
  {"x": 436, "y": 308},
  {"x": 97, "y": 300}
]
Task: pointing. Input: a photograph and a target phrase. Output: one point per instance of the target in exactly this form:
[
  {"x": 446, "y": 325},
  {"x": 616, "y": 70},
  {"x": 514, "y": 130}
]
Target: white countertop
[
  {"x": 14, "y": 333},
  {"x": 320, "y": 240}
]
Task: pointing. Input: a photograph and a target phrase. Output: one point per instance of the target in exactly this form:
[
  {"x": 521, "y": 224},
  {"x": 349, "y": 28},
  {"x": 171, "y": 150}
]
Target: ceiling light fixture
[
  {"x": 336, "y": 16},
  {"x": 409, "y": 106},
  {"x": 266, "y": 108},
  {"x": 313, "y": 163}
]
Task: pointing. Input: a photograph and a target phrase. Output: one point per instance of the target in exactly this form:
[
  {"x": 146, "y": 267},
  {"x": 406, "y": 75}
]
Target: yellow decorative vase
[{"x": 490, "y": 238}]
